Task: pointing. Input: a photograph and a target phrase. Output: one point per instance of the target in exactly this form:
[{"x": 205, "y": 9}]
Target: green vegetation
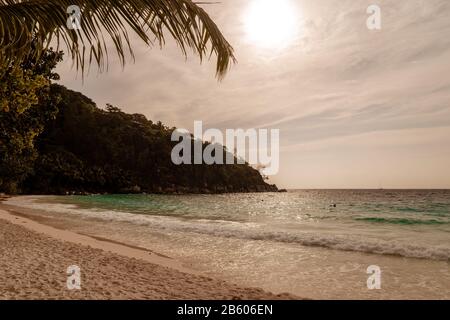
[
  {"x": 86, "y": 149},
  {"x": 28, "y": 28},
  {"x": 53, "y": 140},
  {"x": 56, "y": 141},
  {"x": 26, "y": 103}
]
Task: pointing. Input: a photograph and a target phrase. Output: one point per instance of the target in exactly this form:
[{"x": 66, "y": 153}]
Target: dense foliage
[
  {"x": 26, "y": 103},
  {"x": 86, "y": 149},
  {"x": 54, "y": 140}
]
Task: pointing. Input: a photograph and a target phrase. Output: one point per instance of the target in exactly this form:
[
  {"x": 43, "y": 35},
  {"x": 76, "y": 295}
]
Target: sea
[{"x": 319, "y": 244}]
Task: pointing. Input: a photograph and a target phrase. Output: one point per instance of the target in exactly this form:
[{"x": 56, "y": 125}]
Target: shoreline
[
  {"x": 36, "y": 257},
  {"x": 25, "y": 220},
  {"x": 205, "y": 250}
]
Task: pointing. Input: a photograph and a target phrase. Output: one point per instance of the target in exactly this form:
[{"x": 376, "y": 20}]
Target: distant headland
[{"x": 86, "y": 150}]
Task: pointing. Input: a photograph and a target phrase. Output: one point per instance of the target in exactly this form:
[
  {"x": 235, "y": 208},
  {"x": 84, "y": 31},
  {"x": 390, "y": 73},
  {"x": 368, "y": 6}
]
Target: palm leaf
[{"x": 28, "y": 27}]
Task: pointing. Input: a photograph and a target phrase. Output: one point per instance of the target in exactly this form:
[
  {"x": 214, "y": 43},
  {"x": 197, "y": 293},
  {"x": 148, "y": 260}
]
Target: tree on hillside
[{"x": 26, "y": 104}]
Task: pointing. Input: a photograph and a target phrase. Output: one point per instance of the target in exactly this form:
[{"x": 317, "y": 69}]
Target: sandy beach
[
  {"x": 35, "y": 258},
  {"x": 135, "y": 247}
]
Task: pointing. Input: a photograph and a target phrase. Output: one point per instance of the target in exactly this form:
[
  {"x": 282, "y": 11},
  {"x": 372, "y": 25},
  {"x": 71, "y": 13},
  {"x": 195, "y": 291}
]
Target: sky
[{"x": 356, "y": 108}]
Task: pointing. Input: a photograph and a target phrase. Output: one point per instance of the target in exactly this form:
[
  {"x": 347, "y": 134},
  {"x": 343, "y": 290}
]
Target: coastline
[
  {"x": 191, "y": 241},
  {"x": 36, "y": 257}
]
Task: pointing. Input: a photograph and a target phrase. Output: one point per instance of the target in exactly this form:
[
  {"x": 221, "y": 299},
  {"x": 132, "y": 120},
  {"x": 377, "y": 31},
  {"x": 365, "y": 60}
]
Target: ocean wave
[
  {"x": 251, "y": 231},
  {"x": 402, "y": 221},
  {"x": 336, "y": 242}
]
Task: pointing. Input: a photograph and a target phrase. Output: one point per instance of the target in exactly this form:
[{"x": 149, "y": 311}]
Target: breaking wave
[{"x": 251, "y": 231}]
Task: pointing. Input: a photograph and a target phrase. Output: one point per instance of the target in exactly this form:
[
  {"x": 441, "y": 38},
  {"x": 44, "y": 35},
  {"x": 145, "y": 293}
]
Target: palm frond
[{"x": 31, "y": 26}]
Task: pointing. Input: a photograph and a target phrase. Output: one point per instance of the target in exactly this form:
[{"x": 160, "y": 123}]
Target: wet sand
[{"x": 35, "y": 258}]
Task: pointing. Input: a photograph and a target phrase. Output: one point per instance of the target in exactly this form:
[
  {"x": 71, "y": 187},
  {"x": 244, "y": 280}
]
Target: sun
[{"x": 272, "y": 23}]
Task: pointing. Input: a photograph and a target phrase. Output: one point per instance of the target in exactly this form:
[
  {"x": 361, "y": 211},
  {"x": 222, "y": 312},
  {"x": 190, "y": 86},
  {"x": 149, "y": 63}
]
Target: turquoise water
[
  {"x": 313, "y": 243},
  {"x": 330, "y": 218},
  {"x": 397, "y": 207}
]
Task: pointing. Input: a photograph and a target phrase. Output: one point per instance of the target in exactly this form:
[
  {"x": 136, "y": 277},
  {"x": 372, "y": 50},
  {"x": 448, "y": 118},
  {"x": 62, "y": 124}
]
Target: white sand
[{"x": 35, "y": 257}]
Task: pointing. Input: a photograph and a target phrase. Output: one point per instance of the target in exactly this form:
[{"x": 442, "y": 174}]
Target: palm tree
[{"x": 29, "y": 27}]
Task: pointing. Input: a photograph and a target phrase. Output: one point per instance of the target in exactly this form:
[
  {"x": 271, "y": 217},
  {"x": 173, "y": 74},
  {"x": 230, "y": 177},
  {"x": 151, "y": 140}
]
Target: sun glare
[{"x": 272, "y": 24}]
